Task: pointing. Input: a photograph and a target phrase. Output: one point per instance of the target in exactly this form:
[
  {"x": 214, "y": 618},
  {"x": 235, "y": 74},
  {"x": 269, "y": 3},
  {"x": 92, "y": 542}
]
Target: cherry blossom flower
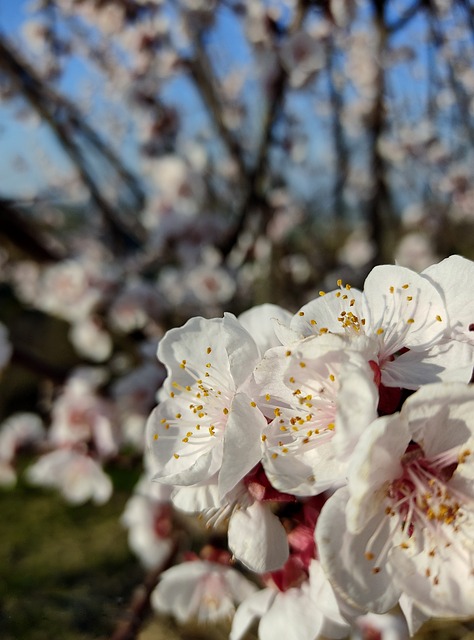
[
  {"x": 200, "y": 590},
  {"x": 90, "y": 339},
  {"x": 135, "y": 395},
  {"x": 303, "y": 391},
  {"x": 406, "y": 321},
  {"x": 403, "y": 525},
  {"x": 148, "y": 519},
  {"x": 208, "y": 424},
  {"x": 19, "y": 430},
  {"x": 78, "y": 477},
  {"x": 80, "y": 416}
]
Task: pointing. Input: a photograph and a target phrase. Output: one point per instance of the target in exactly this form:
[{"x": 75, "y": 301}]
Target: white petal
[
  {"x": 325, "y": 312},
  {"x": 440, "y": 416},
  {"x": 259, "y": 321},
  {"x": 454, "y": 277},
  {"x": 197, "y": 499},
  {"x": 342, "y": 556},
  {"x": 413, "y": 615},
  {"x": 356, "y": 405},
  {"x": 453, "y": 593},
  {"x": 257, "y": 538},
  {"x": 376, "y": 460},
  {"x": 288, "y": 617},
  {"x": 242, "y": 442},
  {"x": 408, "y": 308},
  {"x": 251, "y": 609}
]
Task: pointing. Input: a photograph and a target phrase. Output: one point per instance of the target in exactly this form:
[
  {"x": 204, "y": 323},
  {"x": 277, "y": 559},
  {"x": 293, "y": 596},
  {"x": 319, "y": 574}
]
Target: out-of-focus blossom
[
  {"x": 90, "y": 339},
  {"x": 76, "y": 476},
  {"x": 415, "y": 251},
  {"x": 17, "y": 431},
  {"x": 81, "y": 417},
  {"x": 385, "y": 626},
  {"x": 148, "y": 519},
  {"x": 302, "y": 56},
  {"x": 202, "y": 591},
  {"x": 135, "y": 396}
]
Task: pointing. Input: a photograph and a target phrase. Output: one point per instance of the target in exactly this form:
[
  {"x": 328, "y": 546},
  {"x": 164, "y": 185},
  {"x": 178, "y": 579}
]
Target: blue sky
[{"x": 19, "y": 139}]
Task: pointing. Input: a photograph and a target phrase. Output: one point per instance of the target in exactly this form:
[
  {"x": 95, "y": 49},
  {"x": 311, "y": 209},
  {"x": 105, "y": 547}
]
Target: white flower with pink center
[
  {"x": 404, "y": 316},
  {"x": 78, "y": 477},
  {"x": 200, "y": 590},
  {"x": 208, "y": 424},
  {"x": 81, "y": 416},
  {"x": 148, "y": 519},
  {"x": 319, "y": 396},
  {"x": 405, "y": 522}
]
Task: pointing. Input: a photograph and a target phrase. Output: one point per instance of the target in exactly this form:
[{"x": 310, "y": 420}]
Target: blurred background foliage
[{"x": 168, "y": 158}]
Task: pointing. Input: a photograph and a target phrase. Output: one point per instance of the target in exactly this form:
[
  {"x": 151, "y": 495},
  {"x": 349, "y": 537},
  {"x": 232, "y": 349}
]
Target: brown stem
[
  {"x": 255, "y": 196},
  {"x": 379, "y": 201},
  {"x": 23, "y": 233},
  {"x": 140, "y": 607}
]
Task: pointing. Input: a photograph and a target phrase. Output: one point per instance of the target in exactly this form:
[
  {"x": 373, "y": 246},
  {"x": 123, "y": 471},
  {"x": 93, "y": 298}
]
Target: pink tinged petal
[
  {"x": 78, "y": 477},
  {"x": 406, "y": 310},
  {"x": 356, "y": 577},
  {"x": 260, "y": 321},
  {"x": 386, "y": 626},
  {"x": 174, "y": 593},
  {"x": 250, "y": 610},
  {"x": 454, "y": 278},
  {"x": 375, "y": 462},
  {"x": 258, "y": 539},
  {"x": 242, "y": 442}
]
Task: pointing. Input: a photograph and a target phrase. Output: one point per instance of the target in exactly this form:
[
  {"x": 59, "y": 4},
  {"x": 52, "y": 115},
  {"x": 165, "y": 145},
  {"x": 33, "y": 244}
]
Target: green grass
[{"x": 65, "y": 572}]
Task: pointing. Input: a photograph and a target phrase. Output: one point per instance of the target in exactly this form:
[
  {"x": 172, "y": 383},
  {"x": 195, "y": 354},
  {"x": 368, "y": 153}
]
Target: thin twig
[{"x": 139, "y": 607}]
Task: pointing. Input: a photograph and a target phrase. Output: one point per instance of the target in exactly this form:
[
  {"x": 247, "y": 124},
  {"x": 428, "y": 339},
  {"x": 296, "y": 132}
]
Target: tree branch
[{"x": 65, "y": 120}]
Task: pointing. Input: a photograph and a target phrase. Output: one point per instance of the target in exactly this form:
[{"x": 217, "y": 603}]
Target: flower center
[{"x": 423, "y": 506}]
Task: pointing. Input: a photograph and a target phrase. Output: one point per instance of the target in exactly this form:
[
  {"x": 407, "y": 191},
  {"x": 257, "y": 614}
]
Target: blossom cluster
[{"x": 334, "y": 446}]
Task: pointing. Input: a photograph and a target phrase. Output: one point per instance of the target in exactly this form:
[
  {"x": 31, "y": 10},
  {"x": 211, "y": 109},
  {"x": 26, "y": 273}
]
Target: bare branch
[{"x": 64, "y": 120}]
